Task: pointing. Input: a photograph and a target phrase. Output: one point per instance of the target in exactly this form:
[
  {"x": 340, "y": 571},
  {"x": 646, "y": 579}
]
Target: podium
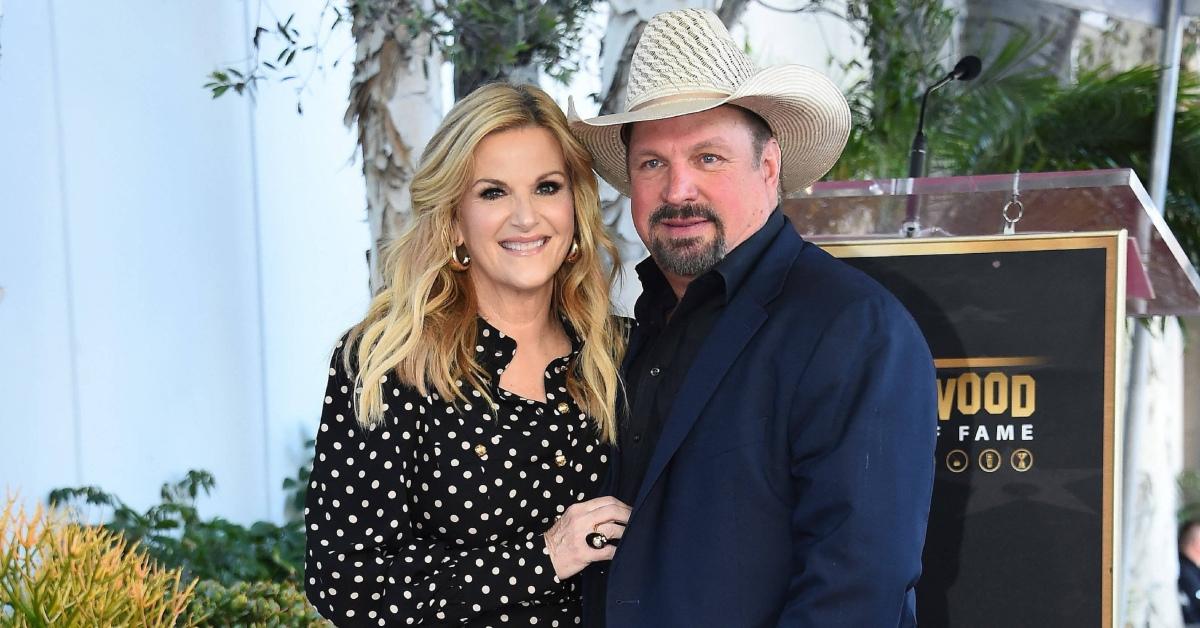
[{"x": 1026, "y": 330}]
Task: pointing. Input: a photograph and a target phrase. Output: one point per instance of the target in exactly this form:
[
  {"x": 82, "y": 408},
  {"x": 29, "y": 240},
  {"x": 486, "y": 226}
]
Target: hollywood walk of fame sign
[{"x": 1024, "y": 332}]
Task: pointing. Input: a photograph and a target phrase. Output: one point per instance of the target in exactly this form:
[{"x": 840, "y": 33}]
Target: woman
[{"x": 455, "y": 476}]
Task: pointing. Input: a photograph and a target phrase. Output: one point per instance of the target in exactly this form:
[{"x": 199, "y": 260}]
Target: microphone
[{"x": 966, "y": 69}]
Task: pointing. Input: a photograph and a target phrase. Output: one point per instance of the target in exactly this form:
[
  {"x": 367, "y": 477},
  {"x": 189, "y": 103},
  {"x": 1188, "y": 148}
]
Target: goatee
[{"x": 692, "y": 256}]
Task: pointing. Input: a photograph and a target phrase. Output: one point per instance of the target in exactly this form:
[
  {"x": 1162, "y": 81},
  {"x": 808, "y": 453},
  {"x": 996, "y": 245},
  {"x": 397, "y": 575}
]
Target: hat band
[{"x": 664, "y": 100}]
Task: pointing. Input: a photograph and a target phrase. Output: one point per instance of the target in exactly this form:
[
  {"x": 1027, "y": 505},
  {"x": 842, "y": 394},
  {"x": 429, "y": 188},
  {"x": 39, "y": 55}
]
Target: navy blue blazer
[{"x": 791, "y": 483}]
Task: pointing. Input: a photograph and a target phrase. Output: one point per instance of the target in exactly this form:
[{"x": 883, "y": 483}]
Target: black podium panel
[{"x": 1024, "y": 332}]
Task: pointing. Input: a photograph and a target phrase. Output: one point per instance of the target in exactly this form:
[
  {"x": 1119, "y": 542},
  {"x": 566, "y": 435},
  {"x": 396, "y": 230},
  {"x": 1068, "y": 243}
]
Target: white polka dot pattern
[{"x": 435, "y": 517}]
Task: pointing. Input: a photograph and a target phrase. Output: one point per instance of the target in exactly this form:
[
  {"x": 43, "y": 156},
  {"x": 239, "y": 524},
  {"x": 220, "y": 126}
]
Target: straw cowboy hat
[{"x": 686, "y": 62}]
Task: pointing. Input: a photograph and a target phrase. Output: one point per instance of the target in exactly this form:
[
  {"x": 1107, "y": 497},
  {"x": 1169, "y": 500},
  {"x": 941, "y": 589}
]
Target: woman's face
[{"x": 517, "y": 217}]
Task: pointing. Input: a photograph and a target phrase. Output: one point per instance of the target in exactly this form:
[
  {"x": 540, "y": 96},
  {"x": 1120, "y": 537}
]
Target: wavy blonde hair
[{"x": 422, "y": 325}]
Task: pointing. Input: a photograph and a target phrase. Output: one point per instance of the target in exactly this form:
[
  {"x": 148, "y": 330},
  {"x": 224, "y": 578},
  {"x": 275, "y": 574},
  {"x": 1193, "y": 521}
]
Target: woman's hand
[{"x": 566, "y": 539}]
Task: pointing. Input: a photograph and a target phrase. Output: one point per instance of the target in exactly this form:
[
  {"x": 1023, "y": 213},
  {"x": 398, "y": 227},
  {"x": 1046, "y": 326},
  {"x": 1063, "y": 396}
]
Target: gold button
[
  {"x": 560, "y": 460},
  {"x": 480, "y": 450},
  {"x": 563, "y": 407}
]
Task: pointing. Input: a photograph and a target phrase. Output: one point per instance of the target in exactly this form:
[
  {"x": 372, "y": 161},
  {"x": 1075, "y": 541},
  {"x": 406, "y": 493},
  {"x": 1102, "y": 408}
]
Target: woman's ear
[{"x": 456, "y": 235}]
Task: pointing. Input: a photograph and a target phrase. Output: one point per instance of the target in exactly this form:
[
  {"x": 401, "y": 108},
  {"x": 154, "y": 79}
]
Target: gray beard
[{"x": 687, "y": 257}]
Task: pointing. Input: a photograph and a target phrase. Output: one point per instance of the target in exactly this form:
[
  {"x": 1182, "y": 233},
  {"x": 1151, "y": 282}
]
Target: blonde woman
[{"x": 467, "y": 418}]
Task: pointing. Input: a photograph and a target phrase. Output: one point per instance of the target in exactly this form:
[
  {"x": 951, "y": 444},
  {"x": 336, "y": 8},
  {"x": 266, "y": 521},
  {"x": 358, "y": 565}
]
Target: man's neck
[{"x": 678, "y": 284}]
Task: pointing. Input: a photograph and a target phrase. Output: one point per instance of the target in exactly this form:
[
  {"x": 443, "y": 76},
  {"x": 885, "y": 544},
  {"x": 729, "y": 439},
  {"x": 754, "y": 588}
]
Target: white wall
[{"x": 175, "y": 268}]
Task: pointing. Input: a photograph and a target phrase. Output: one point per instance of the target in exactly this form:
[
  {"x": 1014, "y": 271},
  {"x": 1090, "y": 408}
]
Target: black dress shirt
[{"x": 672, "y": 332}]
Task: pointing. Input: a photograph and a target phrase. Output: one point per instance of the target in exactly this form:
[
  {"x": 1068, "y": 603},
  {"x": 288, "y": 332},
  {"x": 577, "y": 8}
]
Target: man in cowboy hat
[{"x": 778, "y": 446}]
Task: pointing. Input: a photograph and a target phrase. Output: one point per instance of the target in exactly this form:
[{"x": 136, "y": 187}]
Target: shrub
[
  {"x": 173, "y": 533},
  {"x": 54, "y": 572},
  {"x": 265, "y": 604}
]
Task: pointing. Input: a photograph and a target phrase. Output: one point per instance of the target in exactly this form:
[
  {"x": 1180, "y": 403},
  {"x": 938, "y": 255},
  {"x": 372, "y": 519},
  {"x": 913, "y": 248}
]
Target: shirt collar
[
  {"x": 494, "y": 349},
  {"x": 738, "y": 264},
  {"x": 731, "y": 272}
]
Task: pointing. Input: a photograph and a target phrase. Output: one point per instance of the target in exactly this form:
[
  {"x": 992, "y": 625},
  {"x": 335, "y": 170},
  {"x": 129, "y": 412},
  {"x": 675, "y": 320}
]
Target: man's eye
[
  {"x": 491, "y": 194},
  {"x": 547, "y": 188},
  {"x": 650, "y": 164},
  {"x": 709, "y": 158}
]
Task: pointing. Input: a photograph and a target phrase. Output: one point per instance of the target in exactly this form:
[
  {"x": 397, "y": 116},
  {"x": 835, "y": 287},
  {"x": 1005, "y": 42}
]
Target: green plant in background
[
  {"x": 55, "y": 572},
  {"x": 486, "y": 40},
  {"x": 1189, "y": 496},
  {"x": 248, "y": 575},
  {"x": 1009, "y": 120},
  {"x": 252, "y": 604},
  {"x": 297, "y": 487},
  {"x": 173, "y": 534}
]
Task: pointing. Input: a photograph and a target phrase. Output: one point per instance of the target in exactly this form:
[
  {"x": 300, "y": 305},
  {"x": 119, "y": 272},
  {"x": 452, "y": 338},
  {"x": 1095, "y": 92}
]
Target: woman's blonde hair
[{"x": 421, "y": 327}]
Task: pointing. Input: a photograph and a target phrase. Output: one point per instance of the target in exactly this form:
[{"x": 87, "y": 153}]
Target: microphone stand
[
  {"x": 966, "y": 69},
  {"x": 916, "y": 163}
]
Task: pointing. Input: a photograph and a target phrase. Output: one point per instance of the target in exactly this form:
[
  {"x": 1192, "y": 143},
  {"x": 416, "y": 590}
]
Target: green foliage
[
  {"x": 265, "y": 604},
  {"x": 1004, "y": 120},
  {"x": 56, "y": 572},
  {"x": 286, "y": 40},
  {"x": 1189, "y": 496},
  {"x": 297, "y": 486},
  {"x": 173, "y": 533},
  {"x": 485, "y": 39}
]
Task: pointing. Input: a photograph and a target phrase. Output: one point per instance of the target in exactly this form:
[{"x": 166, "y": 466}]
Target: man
[
  {"x": 778, "y": 450},
  {"x": 1189, "y": 572}
]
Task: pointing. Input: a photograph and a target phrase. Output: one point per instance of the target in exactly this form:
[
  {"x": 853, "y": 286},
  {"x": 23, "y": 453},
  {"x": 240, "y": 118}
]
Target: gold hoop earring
[
  {"x": 456, "y": 264},
  {"x": 573, "y": 254}
]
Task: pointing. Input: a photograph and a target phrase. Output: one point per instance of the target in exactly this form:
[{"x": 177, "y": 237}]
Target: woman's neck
[{"x": 526, "y": 318}]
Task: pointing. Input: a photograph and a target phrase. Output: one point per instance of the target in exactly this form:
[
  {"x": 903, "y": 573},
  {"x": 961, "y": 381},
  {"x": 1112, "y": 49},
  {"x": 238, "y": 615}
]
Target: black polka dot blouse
[{"x": 435, "y": 516}]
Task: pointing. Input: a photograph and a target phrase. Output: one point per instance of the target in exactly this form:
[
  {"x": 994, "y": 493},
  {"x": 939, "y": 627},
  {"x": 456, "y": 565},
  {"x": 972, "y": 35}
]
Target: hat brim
[{"x": 807, "y": 114}]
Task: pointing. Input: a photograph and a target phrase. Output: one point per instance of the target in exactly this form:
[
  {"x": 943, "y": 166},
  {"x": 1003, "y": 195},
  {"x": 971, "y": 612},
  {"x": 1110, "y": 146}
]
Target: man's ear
[{"x": 772, "y": 159}]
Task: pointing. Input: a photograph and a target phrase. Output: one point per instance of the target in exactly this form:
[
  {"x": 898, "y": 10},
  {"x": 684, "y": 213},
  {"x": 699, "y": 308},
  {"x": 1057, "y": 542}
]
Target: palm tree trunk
[{"x": 395, "y": 99}]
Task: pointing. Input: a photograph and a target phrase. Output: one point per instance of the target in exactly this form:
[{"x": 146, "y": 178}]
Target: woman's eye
[
  {"x": 547, "y": 188},
  {"x": 491, "y": 194}
]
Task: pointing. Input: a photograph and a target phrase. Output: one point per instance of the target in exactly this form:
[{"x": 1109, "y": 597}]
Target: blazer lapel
[
  {"x": 733, "y": 330},
  {"x": 735, "y": 327}
]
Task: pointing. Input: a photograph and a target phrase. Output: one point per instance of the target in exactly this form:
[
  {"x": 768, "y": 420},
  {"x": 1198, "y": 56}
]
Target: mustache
[{"x": 678, "y": 212}]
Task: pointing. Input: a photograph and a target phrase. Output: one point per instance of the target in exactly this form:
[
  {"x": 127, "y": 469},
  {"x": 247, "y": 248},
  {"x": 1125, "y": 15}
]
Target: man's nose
[{"x": 681, "y": 187}]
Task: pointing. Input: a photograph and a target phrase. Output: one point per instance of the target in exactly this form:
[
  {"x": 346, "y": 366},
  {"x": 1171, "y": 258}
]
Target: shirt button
[
  {"x": 654, "y": 371},
  {"x": 637, "y": 438},
  {"x": 560, "y": 460},
  {"x": 480, "y": 450},
  {"x": 563, "y": 407}
]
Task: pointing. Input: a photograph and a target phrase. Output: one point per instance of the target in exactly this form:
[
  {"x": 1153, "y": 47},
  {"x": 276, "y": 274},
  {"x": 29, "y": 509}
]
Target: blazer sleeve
[
  {"x": 862, "y": 433},
  {"x": 365, "y": 565}
]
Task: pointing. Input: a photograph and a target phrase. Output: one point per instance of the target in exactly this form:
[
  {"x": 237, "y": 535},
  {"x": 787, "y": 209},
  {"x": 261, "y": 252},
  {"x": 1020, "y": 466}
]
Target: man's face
[{"x": 697, "y": 189}]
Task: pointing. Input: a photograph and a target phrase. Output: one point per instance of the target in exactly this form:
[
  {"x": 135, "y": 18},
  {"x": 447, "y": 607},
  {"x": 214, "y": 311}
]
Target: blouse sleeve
[{"x": 364, "y": 563}]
